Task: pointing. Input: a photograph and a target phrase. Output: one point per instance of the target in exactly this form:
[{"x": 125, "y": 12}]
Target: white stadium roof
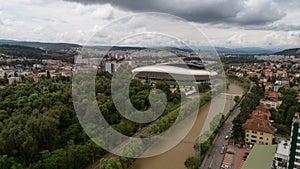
[{"x": 173, "y": 69}]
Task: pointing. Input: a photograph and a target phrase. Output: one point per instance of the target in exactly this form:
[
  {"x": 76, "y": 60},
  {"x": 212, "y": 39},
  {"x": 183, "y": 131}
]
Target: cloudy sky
[{"x": 228, "y": 23}]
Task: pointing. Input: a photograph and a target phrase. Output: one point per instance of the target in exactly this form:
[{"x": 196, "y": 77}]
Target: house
[
  {"x": 261, "y": 112},
  {"x": 36, "y": 77},
  {"x": 37, "y": 66},
  {"x": 271, "y": 103},
  {"x": 276, "y": 88},
  {"x": 12, "y": 80},
  {"x": 272, "y": 95},
  {"x": 298, "y": 98},
  {"x": 258, "y": 131},
  {"x": 239, "y": 74},
  {"x": 269, "y": 86},
  {"x": 281, "y": 74},
  {"x": 268, "y": 74},
  {"x": 285, "y": 81},
  {"x": 251, "y": 74}
]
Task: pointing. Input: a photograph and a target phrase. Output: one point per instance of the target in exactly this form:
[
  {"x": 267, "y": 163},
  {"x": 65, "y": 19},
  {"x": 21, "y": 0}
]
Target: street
[{"x": 214, "y": 158}]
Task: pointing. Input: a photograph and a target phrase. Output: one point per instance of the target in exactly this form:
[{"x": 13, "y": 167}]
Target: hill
[
  {"x": 41, "y": 45},
  {"x": 21, "y": 51},
  {"x": 290, "y": 52}
]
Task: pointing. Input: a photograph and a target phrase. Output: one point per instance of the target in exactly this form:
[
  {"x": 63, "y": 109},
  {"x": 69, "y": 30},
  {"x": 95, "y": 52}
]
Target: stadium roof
[{"x": 180, "y": 69}]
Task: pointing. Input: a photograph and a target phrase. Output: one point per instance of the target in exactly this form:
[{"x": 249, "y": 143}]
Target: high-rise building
[
  {"x": 294, "y": 157},
  {"x": 111, "y": 67}
]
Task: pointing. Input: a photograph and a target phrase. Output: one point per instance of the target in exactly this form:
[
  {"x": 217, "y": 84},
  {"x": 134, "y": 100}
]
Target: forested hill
[
  {"x": 43, "y": 45},
  {"x": 21, "y": 51},
  {"x": 35, "y": 53},
  {"x": 290, "y": 52}
]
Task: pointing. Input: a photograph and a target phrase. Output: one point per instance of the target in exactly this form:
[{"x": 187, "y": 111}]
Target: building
[
  {"x": 272, "y": 95},
  {"x": 271, "y": 103},
  {"x": 37, "y": 66},
  {"x": 258, "y": 131},
  {"x": 281, "y": 74},
  {"x": 260, "y": 157},
  {"x": 12, "y": 80},
  {"x": 281, "y": 155},
  {"x": 111, "y": 67},
  {"x": 294, "y": 157},
  {"x": 174, "y": 72},
  {"x": 261, "y": 112}
]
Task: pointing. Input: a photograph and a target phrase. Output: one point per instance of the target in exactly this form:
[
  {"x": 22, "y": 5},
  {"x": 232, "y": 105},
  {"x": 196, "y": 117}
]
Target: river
[{"x": 175, "y": 157}]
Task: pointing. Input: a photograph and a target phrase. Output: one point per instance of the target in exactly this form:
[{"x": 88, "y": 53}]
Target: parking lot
[{"x": 234, "y": 157}]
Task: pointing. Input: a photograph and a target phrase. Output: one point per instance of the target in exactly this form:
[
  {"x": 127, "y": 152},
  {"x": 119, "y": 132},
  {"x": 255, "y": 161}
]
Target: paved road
[{"x": 213, "y": 159}]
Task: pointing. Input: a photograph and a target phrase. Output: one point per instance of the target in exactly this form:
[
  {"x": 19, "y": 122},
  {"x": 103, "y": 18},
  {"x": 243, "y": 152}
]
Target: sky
[{"x": 227, "y": 23}]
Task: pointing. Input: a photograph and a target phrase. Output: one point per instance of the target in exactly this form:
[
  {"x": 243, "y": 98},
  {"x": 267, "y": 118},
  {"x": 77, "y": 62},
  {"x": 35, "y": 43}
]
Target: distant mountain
[
  {"x": 61, "y": 46},
  {"x": 290, "y": 52},
  {"x": 248, "y": 50},
  {"x": 41, "y": 45}
]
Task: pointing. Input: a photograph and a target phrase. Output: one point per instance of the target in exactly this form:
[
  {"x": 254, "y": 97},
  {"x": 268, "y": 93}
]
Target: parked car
[
  {"x": 239, "y": 145},
  {"x": 222, "y": 152},
  {"x": 224, "y": 166},
  {"x": 244, "y": 158}
]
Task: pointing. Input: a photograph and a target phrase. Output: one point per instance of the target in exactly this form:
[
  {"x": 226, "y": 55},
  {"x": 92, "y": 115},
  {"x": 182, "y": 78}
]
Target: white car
[{"x": 224, "y": 166}]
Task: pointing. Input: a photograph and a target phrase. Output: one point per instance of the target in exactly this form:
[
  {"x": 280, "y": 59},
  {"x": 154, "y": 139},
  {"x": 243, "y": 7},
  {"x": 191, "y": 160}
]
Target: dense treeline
[
  {"x": 21, "y": 51},
  {"x": 240, "y": 59},
  {"x": 249, "y": 103},
  {"x": 286, "y": 111},
  {"x": 35, "y": 53},
  {"x": 39, "y": 128}
]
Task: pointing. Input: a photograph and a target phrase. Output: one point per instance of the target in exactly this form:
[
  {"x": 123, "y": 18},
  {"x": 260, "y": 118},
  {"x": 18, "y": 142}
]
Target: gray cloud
[{"x": 245, "y": 12}]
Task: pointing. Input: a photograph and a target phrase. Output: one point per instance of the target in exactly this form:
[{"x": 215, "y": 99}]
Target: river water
[{"x": 175, "y": 157}]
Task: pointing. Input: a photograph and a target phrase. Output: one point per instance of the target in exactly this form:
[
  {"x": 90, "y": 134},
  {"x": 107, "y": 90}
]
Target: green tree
[
  {"x": 191, "y": 163},
  {"x": 236, "y": 99}
]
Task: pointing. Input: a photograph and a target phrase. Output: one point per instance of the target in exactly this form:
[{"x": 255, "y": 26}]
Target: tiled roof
[
  {"x": 261, "y": 111},
  {"x": 258, "y": 124}
]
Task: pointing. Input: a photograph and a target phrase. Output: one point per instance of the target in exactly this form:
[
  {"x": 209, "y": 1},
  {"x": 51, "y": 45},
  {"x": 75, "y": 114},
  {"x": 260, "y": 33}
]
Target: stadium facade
[{"x": 179, "y": 72}]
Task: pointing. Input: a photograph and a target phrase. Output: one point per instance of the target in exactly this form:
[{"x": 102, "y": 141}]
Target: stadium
[{"x": 188, "y": 72}]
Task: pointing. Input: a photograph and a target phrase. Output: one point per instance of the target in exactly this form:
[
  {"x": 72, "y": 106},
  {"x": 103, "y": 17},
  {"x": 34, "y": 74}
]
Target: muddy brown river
[{"x": 175, "y": 157}]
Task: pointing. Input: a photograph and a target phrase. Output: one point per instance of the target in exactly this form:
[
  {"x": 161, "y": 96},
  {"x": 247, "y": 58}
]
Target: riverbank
[{"x": 175, "y": 157}]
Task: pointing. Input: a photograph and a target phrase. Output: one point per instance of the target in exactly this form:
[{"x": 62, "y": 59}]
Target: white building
[
  {"x": 112, "y": 67},
  {"x": 282, "y": 155}
]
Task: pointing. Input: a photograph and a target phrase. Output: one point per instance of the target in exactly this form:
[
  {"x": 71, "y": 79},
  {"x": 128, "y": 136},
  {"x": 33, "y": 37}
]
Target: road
[{"x": 213, "y": 159}]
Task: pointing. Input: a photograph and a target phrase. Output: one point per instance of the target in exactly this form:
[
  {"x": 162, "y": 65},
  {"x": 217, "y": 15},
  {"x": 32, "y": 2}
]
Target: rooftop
[
  {"x": 261, "y": 157},
  {"x": 180, "y": 69},
  {"x": 283, "y": 148},
  {"x": 259, "y": 124}
]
